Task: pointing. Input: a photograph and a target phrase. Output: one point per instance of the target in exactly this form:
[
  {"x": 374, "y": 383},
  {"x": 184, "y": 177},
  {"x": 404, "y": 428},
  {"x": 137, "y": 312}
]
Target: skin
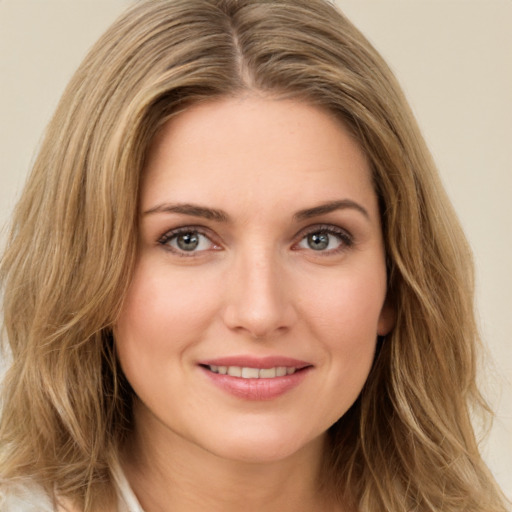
[{"x": 255, "y": 285}]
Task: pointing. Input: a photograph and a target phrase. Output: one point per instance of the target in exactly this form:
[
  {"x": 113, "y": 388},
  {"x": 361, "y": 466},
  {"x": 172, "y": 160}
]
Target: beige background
[{"x": 454, "y": 59}]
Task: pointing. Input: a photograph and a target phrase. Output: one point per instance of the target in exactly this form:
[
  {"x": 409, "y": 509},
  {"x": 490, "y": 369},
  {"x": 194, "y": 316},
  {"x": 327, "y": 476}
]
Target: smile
[
  {"x": 246, "y": 372},
  {"x": 256, "y": 378}
]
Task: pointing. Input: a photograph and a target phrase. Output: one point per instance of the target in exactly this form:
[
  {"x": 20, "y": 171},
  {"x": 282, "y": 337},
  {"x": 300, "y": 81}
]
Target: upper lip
[{"x": 247, "y": 361}]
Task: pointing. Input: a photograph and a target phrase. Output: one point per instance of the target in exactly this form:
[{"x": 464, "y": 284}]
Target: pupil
[
  {"x": 318, "y": 241},
  {"x": 188, "y": 241}
]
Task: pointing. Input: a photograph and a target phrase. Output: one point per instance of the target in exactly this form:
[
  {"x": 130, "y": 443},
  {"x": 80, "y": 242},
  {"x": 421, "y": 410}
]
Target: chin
[{"x": 265, "y": 446}]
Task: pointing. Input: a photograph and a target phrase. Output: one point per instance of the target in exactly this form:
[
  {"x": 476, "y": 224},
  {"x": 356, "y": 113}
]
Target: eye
[
  {"x": 326, "y": 239},
  {"x": 186, "y": 240}
]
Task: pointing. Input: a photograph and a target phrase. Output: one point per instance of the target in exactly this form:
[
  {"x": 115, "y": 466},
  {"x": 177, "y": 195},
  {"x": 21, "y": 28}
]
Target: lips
[{"x": 252, "y": 378}]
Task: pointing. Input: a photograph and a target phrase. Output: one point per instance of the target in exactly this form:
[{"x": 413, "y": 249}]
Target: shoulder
[
  {"x": 24, "y": 497},
  {"x": 27, "y": 496}
]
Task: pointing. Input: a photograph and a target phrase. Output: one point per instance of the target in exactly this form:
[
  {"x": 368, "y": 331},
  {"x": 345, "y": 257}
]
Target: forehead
[{"x": 254, "y": 150}]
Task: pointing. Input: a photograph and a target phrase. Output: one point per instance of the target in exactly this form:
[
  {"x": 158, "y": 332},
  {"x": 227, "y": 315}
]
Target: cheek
[
  {"x": 344, "y": 317},
  {"x": 163, "y": 312},
  {"x": 347, "y": 306}
]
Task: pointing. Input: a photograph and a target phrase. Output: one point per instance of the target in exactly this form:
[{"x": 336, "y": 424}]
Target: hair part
[{"x": 407, "y": 443}]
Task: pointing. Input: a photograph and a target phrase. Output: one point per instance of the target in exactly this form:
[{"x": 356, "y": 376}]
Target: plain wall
[{"x": 454, "y": 60}]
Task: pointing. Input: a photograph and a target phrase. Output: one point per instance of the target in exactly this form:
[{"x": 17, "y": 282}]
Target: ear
[{"x": 387, "y": 318}]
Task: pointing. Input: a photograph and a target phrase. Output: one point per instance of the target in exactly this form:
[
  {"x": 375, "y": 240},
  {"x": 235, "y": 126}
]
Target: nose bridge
[{"x": 258, "y": 299}]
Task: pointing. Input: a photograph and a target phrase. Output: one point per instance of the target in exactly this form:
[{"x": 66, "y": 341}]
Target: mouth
[
  {"x": 256, "y": 379},
  {"x": 247, "y": 372}
]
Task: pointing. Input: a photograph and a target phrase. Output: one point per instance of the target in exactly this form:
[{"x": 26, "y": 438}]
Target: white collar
[{"x": 127, "y": 499}]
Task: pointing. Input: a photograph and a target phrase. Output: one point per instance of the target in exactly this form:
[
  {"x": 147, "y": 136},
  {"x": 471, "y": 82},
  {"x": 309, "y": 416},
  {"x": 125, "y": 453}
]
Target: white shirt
[{"x": 29, "y": 497}]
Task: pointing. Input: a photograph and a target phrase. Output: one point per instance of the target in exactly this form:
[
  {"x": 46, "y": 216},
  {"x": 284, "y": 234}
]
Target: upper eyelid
[
  {"x": 332, "y": 228},
  {"x": 185, "y": 229}
]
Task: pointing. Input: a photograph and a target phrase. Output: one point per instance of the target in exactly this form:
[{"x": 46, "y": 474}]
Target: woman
[{"x": 234, "y": 280}]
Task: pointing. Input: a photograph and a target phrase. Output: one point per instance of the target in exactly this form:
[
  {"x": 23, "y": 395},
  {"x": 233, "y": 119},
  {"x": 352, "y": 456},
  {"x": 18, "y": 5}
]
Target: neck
[{"x": 168, "y": 472}]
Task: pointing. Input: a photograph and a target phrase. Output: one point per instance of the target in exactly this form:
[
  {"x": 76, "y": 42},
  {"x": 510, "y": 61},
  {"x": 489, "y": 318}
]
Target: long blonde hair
[{"x": 407, "y": 444}]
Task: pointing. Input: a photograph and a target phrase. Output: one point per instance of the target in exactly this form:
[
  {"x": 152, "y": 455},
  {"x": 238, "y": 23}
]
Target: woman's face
[{"x": 251, "y": 322}]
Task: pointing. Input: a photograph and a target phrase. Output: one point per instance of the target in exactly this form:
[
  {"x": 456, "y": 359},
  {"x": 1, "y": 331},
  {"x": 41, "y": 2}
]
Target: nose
[{"x": 259, "y": 300}]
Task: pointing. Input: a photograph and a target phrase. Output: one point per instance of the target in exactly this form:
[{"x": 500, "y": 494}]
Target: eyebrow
[
  {"x": 190, "y": 209},
  {"x": 329, "y": 207},
  {"x": 221, "y": 216}
]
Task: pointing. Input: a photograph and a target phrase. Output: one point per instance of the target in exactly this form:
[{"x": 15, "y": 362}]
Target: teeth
[
  {"x": 250, "y": 373},
  {"x": 253, "y": 373},
  {"x": 235, "y": 371},
  {"x": 267, "y": 373},
  {"x": 281, "y": 371}
]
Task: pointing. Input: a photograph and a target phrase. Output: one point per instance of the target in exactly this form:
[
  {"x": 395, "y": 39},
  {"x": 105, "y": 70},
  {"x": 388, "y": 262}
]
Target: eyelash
[{"x": 345, "y": 238}]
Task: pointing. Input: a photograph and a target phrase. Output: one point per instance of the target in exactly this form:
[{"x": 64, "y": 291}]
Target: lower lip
[{"x": 257, "y": 389}]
